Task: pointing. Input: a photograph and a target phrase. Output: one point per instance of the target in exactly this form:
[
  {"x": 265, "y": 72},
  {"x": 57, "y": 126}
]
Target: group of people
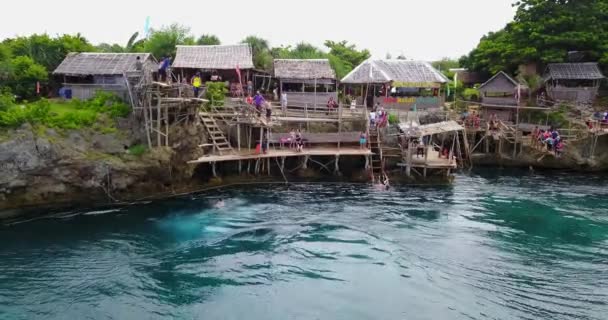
[
  {"x": 295, "y": 140},
  {"x": 471, "y": 120},
  {"x": 260, "y": 104},
  {"x": 378, "y": 116},
  {"x": 549, "y": 140}
]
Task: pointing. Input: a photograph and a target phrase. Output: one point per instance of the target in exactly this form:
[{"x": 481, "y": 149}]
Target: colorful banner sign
[{"x": 423, "y": 101}]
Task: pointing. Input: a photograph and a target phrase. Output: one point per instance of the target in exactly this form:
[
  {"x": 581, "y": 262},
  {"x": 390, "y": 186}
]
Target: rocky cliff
[{"x": 40, "y": 166}]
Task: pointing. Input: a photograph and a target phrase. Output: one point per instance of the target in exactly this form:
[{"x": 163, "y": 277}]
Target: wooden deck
[
  {"x": 432, "y": 161},
  {"x": 272, "y": 153}
]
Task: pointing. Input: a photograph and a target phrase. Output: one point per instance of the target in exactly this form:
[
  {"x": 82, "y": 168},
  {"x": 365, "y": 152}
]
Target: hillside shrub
[{"x": 216, "y": 92}]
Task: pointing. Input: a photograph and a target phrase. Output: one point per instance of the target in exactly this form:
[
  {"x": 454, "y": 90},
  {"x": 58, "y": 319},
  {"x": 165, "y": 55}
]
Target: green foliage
[
  {"x": 47, "y": 51},
  {"x": 470, "y": 94},
  {"x": 163, "y": 42},
  {"x": 208, "y": 40},
  {"x": 75, "y": 114},
  {"x": 347, "y": 53},
  {"x": 25, "y": 73},
  {"x": 343, "y": 59},
  {"x": 216, "y": 93},
  {"x": 393, "y": 119},
  {"x": 444, "y": 65},
  {"x": 7, "y": 100},
  {"x": 138, "y": 150},
  {"x": 262, "y": 59},
  {"x": 544, "y": 32}
]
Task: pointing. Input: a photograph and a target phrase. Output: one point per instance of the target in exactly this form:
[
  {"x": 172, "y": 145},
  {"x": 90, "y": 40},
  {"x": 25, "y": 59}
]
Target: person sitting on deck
[
  {"x": 299, "y": 141},
  {"x": 292, "y": 139},
  {"x": 331, "y": 105},
  {"x": 362, "y": 140},
  {"x": 259, "y": 101},
  {"x": 196, "y": 82}
]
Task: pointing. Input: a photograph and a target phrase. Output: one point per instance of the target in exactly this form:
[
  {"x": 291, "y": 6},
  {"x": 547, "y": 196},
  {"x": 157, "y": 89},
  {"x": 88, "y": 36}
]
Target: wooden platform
[
  {"x": 432, "y": 161},
  {"x": 250, "y": 155}
]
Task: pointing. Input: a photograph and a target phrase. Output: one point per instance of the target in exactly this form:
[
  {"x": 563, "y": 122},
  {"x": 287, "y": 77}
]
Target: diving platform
[{"x": 283, "y": 153}]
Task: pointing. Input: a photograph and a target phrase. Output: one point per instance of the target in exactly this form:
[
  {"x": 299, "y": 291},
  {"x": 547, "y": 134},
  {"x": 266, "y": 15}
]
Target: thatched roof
[
  {"x": 500, "y": 80},
  {"x": 430, "y": 129},
  {"x": 89, "y": 63},
  {"x": 574, "y": 71},
  {"x": 222, "y": 57},
  {"x": 303, "y": 69},
  {"x": 403, "y": 71}
]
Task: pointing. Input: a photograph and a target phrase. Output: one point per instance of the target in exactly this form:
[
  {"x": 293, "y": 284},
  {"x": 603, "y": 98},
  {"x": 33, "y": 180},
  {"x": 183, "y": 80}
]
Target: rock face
[{"x": 39, "y": 167}]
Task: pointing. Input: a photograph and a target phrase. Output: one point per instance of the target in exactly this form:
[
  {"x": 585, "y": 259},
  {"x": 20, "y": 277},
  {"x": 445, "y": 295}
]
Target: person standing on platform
[
  {"x": 259, "y": 100},
  {"x": 197, "y": 82},
  {"x": 284, "y": 102}
]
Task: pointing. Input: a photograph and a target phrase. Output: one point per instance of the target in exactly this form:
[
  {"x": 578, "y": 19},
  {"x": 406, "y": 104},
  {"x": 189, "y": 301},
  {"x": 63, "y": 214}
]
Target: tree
[
  {"x": 208, "y": 40},
  {"x": 26, "y": 72},
  {"x": 262, "y": 59},
  {"x": 544, "y": 31},
  {"x": 163, "y": 42},
  {"x": 5, "y": 63},
  {"x": 109, "y": 48},
  {"x": 388, "y": 56},
  {"x": 347, "y": 53},
  {"x": 47, "y": 51}
]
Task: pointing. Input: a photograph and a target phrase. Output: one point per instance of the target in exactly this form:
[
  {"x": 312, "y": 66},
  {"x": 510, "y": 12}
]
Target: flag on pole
[
  {"x": 147, "y": 27},
  {"x": 455, "y": 81},
  {"x": 447, "y": 90},
  {"x": 38, "y": 87}
]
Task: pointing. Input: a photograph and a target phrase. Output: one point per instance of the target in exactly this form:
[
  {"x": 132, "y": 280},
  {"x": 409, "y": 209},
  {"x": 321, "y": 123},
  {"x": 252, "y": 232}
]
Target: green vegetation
[
  {"x": 342, "y": 56},
  {"x": 162, "y": 42},
  {"x": 393, "y": 119},
  {"x": 470, "y": 94},
  {"x": 208, "y": 40},
  {"x": 216, "y": 92},
  {"x": 133, "y": 45},
  {"x": 138, "y": 150},
  {"x": 98, "y": 113},
  {"x": 544, "y": 32}
]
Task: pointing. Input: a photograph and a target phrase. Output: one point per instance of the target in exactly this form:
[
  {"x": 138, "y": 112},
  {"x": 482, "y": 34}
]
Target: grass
[{"x": 138, "y": 150}]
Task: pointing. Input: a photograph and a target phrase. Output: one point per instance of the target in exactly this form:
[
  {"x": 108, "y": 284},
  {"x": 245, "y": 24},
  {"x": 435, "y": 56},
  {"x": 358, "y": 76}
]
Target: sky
[{"x": 419, "y": 29}]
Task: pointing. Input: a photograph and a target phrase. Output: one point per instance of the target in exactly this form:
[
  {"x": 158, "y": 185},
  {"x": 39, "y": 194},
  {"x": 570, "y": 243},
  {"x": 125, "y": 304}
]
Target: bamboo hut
[
  {"x": 500, "y": 95},
  {"x": 396, "y": 84},
  {"x": 85, "y": 73},
  {"x": 573, "y": 82},
  {"x": 216, "y": 63},
  {"x": 306, "y": 81}
]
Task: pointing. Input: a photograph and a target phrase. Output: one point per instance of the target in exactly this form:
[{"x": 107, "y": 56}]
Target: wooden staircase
[
  {"x": 377, "y": 163},
  {"x": 216, "y": 136}
]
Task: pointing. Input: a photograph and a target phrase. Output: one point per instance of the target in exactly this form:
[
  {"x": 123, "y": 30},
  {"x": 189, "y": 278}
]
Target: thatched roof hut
[
  {"x": 220, "y": 57},
  {"x": 573, "y": 82},
  {"x": 303, "y": 69},
  {"x": 100, "y": 64},
  {"x": 573, "y": 71},
  {"x": 402, "y": 73}
]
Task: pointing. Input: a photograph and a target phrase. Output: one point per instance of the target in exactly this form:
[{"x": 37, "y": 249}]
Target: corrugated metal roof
[
  {"x": 214, "y": 57},
  {"x": 88, "y": 63},
  {"x": 574, "y": 71},
  {"x": 383, "y": 71},
  {"x": 303, "y": 69}
]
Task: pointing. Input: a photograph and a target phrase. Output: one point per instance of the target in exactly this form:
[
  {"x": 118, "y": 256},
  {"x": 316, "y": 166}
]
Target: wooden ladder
[
  {"x": 377, "y": 164},
  {"x": 217, "y": 137}
]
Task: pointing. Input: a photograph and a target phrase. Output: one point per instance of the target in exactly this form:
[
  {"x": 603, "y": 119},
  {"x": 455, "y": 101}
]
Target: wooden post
[
  {"x": 147, "y": 121},
  {"x": 515, "y": 139},
  {"x": 408, "y": 169},
  {"x": 213, "y": 169},
  {"x": 339, "y": 125},
  {"x": 158, "y": 120},
  {"x": 305, "y": 164},
  {"x": 167, "y": 125},
  {"x": 337, "y": 165}
]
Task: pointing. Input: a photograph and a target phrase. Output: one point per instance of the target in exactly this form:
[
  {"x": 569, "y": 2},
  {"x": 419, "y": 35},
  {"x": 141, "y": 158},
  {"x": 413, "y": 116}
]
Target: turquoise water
[{"x": 517, "y": 246}]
